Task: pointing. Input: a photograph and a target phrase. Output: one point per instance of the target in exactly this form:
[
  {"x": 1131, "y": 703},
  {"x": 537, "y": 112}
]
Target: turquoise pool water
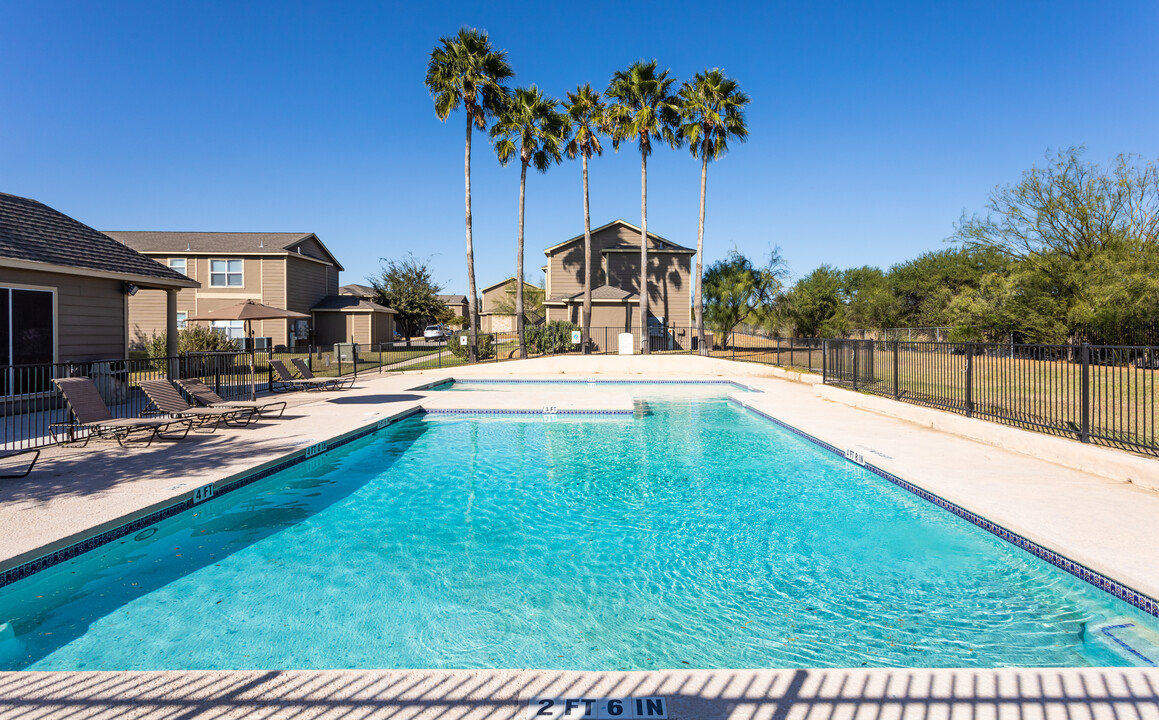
[{"x": 693, "y": 535}]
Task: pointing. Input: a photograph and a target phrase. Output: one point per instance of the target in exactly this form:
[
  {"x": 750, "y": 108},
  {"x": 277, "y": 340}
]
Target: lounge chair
[
  {"x": 163, "y": 397},
  {"x": 285, "y": 380},
  {"x": 308, "y": 374},
  {"x": 205, "y": 395},
  {"x": 93, "y": 416},
  {"x": 16, "y": 472}
]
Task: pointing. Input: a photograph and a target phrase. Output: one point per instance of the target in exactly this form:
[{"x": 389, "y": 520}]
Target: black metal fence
[
  {"x": 1094, "y": 393},
  {"x": 30, "y": 403}
]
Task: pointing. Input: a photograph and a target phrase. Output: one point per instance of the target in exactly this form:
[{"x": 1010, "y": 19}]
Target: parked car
[{"x": 436, "y": 332}]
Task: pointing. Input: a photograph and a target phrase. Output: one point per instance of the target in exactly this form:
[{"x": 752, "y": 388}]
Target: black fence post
[
  {"x": 969, "y": 379},
  {"x": 896, "y": 367},
  {"x": 824, "y": 362},
  {"x": 269, "y": 369},
  {"x": 853, "y": 346},
  {"x": 1085, "y": 427}
]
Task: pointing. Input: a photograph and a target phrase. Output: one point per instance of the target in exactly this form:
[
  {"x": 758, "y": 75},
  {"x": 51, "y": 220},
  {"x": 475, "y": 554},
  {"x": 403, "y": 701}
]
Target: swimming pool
[{"x": 696, "y": 534}]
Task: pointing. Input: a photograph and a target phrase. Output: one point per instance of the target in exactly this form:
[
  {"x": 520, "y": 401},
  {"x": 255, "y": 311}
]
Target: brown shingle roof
[
  {"x": 32, "y": 231},
  {"x": 363, "y": 291},
  {"x": 349, "y": 302},
  {"x": 221, "y": 242},
  {"x": 451, "y": 299}
]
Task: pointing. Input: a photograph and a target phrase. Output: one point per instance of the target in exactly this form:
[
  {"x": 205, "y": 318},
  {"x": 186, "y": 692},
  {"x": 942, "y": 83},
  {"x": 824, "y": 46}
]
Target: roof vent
[
  {"x": 261, "y": 243},
  {"x": 187, "y": 247}
]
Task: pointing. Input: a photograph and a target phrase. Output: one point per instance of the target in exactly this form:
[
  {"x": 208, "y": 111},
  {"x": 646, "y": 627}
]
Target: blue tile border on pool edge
[
  {"x": 1127, "y": 594},
  {"x": 79, "y": 548},
  {"x": 593, "y": 381},
  {"x": 538, "y": 413}
]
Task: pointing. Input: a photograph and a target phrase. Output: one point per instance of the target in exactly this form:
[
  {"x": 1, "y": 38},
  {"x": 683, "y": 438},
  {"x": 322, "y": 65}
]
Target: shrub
[
  {"x": 193, "y": 338},
  {"x": 486, "y": 349},
  {"x": 554, "y": 337}
]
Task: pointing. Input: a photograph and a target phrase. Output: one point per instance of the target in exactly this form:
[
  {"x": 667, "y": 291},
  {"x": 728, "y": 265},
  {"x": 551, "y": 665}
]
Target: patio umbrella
[{"x": 247, "y": 311}]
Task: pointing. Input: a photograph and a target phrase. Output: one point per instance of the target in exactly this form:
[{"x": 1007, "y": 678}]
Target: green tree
[
  {"x": 814, "y": 306},
  {"x": 586, "y": 115},
  {"x": 408, "y": 287},
  {"x": 736, "y": 290},
  {"x": 1077, "y": 224},
  {"x": 532, "y": 128},
  {"x": 643, "y": 109},
  {"x": 465, "y": 71},
  {"x": 866, "y": 294},
  {"x": 711, "y": 113},
  {"x": 922, "y": 288}
]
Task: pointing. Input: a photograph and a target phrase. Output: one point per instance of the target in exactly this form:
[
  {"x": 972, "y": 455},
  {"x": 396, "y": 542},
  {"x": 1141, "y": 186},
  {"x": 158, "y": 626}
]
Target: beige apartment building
[
  {"x": 292, "y": 271},
  {"x": 615, "y": 272},
  {"x": 496, "y": 304}
]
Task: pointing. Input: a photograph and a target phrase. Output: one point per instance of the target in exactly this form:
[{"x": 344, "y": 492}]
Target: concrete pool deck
[
  {"x": 858, "y": 694},
  {"x": 1108, "y": 524}
]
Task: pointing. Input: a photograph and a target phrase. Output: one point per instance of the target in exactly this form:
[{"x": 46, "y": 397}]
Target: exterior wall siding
[
  {"x": 90, "y": 313},
  {"x": 276, "y": 280}
]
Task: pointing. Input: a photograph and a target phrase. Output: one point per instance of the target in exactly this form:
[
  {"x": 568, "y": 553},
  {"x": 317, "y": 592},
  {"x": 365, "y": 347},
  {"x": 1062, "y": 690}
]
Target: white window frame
[
  {"x": 227, "y": 274},
  {"x": 233, "y": 329},
  {"x": 181, "y": 316},
  {"x": 175, "y": 262}
]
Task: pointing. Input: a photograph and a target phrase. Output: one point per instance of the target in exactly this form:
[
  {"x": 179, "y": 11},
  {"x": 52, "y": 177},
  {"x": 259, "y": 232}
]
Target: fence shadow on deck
[{"x": 1030, "y": 694}]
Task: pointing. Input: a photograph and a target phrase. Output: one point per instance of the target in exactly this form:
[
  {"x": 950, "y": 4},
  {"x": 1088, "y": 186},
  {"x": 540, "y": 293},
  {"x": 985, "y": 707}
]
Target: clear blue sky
[{"x": 873, "y": 125}]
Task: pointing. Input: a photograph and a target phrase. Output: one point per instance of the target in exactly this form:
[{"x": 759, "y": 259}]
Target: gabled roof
[
  {"x": 504, "y": 282},
  {"x": 237, "y": 243},
  {"x": 350, "y": 303},
  {"x": 363, "y": 291},
  {"x": 33, "y": 234},
  {"x": 451, "y": 299},
  {"x": 606, "y": 292},
  {"x": 622, "y": 223},
  {"x": 603, "y": 293}
]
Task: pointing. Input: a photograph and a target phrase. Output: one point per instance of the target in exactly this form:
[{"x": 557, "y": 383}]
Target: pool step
[
  {"x": 509, "y": 402},
  {"x": 1126, "y": 638}
]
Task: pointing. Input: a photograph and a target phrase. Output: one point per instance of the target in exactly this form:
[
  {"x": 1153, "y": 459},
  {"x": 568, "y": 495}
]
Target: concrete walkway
[{"x": 876, "y": 694}]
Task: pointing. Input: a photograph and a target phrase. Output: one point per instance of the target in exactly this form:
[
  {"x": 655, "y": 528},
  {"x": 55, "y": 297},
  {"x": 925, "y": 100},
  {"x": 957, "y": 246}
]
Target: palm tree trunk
[
  {"x": 644, "y": 251},
  {"x": 472, "y": 310},
  {"x": 700, "y": 254},
  {"x": 587, "y": 319},
  {"x": 519, "y": 268}
]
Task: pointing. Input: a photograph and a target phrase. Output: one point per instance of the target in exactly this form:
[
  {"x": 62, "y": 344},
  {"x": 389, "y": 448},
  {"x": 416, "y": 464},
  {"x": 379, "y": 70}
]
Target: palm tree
[
  {"x": 711, "y": 112},
  {"x": 465, "y": 71},
  {"x": 531, "y": 127},
  {"x": 643, "y": 109},
  {"x": 585, "y": 113}
]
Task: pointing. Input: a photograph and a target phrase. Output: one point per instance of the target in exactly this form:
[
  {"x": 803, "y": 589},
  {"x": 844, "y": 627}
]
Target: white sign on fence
[
  {"x": 462, "y": 339},
  {"x": 575, "y": 337}
]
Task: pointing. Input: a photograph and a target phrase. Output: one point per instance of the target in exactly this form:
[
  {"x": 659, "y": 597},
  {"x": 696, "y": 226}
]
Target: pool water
[{"x": 696, "y": 534}]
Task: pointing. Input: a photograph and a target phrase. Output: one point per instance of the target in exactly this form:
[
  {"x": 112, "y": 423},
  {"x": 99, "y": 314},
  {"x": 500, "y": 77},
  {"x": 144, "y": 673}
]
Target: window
[
  {"x": 225, "y": 273},
  {"x": 177, "y": 264},
  {"x": 181, "y": 319},
  {"x": 232, "y": 329},
  {"x": 27, "y": 334}
]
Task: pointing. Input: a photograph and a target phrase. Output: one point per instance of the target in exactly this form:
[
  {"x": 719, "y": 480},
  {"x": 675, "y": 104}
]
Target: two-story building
[
  {"x": 292, "y": 271},
  {"x": 615, "y": 273},
  {"x": 497, "y": 305}
]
